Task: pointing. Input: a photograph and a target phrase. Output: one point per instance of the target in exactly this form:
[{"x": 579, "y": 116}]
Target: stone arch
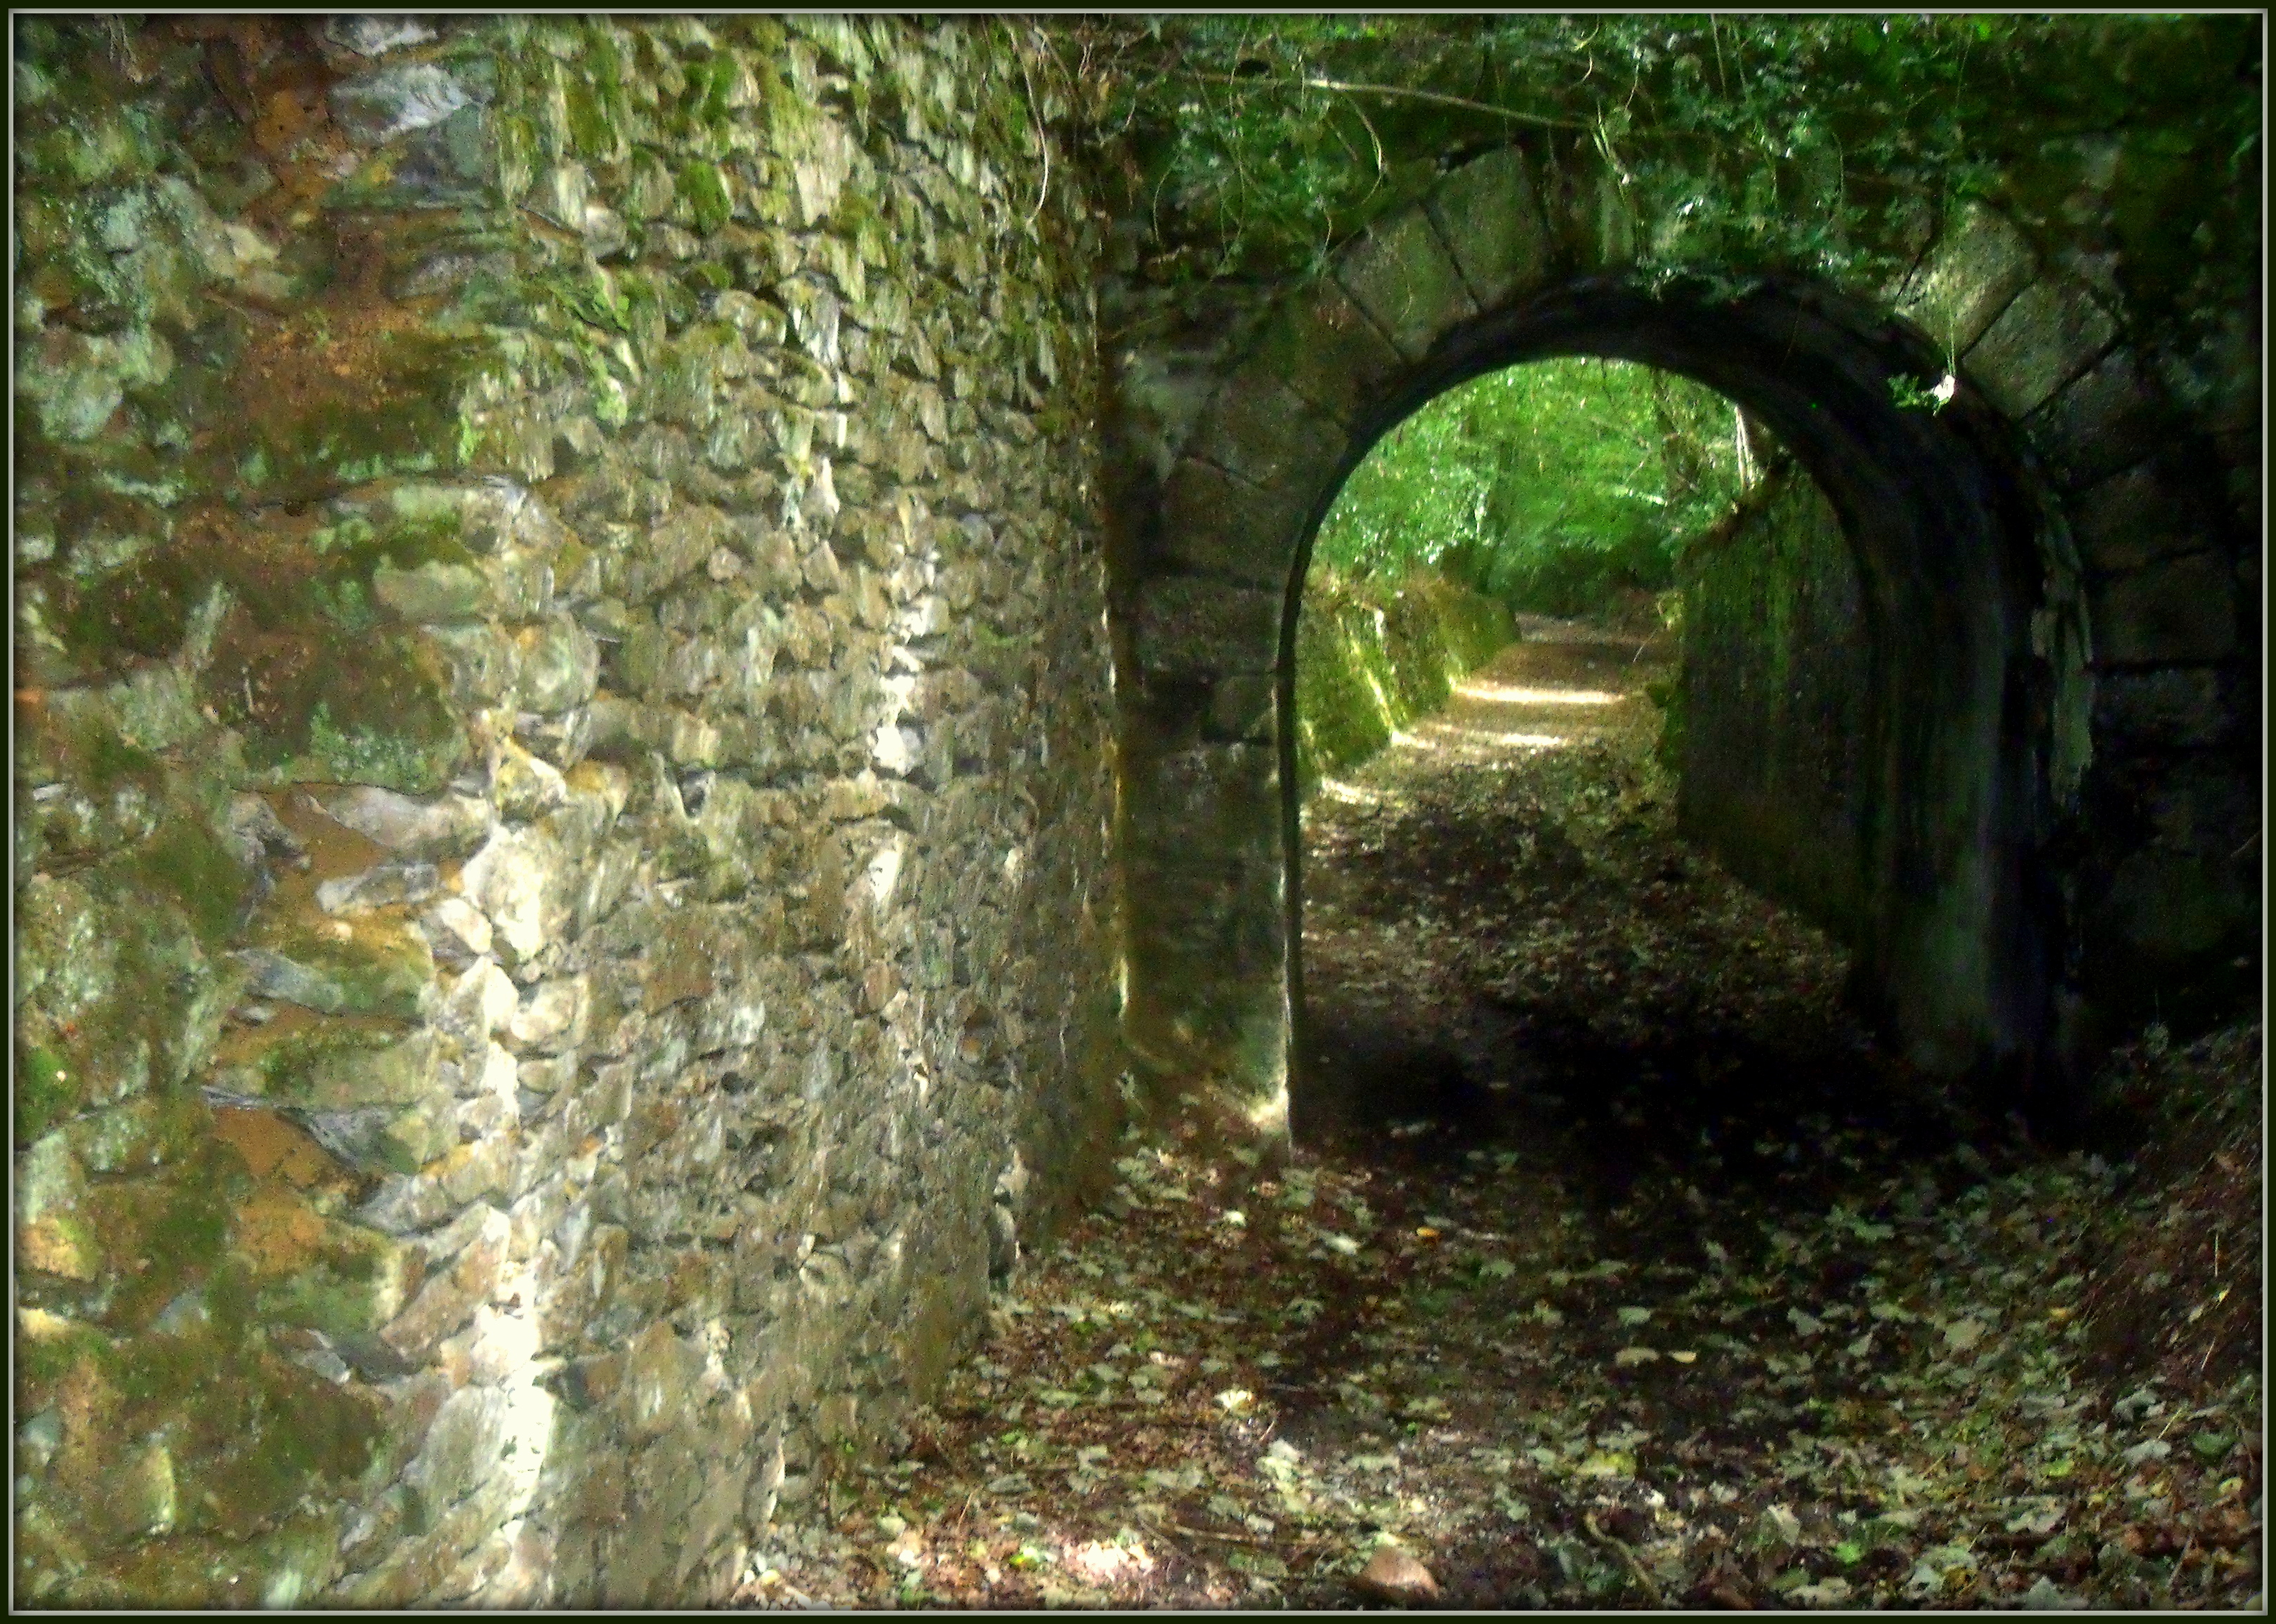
[{"x": 1985, "y": 678}]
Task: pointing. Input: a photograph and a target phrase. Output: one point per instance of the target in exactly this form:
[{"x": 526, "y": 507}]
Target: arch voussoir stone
[
  {"x": 2048, "y": 335},
  {"x": 1403, "y": 276},
  {"x": 1217, "y": 523},
  {"x": 1263, "y": 430},
  {"x": 1488, "y": 215},
  {"x": 1971, "y": 275},
  {"x": 1329, "y": 352}
]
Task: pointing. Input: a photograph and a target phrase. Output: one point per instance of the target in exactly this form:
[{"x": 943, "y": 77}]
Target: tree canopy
[{"x": 1548, "y": 485}]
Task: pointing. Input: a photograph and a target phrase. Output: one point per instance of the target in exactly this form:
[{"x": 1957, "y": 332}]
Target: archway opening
[
  {"x": 1492, "y": 711},
  {"x": 1941, "y": 767}
]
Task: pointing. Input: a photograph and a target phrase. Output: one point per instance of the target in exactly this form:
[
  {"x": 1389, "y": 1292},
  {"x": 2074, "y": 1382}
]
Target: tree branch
[{"x": 1395, "y": 92}]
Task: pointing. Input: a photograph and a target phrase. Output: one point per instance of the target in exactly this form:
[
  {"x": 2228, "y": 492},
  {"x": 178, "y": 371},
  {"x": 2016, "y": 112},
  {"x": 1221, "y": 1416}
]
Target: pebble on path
[{"x": 1393, "y": 1576}]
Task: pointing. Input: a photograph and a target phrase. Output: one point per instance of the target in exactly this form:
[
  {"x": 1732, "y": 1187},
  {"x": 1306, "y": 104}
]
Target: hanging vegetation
[{"x": 1830, "y": 146}]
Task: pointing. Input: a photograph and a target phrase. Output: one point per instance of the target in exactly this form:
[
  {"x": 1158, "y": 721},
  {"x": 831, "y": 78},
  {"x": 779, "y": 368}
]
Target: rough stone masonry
[{"x": 562, "y": 783}]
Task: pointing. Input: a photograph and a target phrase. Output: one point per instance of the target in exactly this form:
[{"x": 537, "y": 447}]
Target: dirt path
[{"x": 1615, "y": 1269}]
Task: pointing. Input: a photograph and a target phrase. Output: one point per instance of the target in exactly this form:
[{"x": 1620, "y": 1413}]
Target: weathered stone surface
[
  {"x": 396, "y": 100},
  {"x": 376, "y": 36},
  {"x": 449, "y": 827},
  {"x": 1402, "y": 276},
  {"x": 2048, "y": 336},
  {"x": 2179, "y": 609},
  {"x": 1490, "y": 219},
  {"x": 2135, "y": 518},
  {"x": 1325, "y": 348},
  {"x": 2168, "y": 909},
  {"x": 1260, "y": 430},
  {"x": 1191, "y": 627},
  {"x": 552, "y": 1018},
  {"x": 1219, "y": 524},
  {"x": 2184, "y": 708},
  {"x": 387, "y": 886},
  {"x": 1979, "y": 265},
  {"x": 432, "y": 594},
  {"x": 448, "y": 1299},
  {"x": 337, "y": 1068},
  {"x": 559, "y": 666},
  {"x": 1225, "y": 805},
  {"x": 2110, "y": 418}
]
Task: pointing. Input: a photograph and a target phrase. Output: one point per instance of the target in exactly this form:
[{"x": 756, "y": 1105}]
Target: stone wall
[
  {"x": 562, "y": 785},
  {"x": 1773, "y": 773}
]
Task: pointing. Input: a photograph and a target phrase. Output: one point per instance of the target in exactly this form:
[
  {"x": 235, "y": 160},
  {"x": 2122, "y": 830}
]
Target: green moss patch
[
  {"x": 1371, "y": 656},
  {"x": 380, "y": 967},
  {"x": 330, "y": 1063},
  {"x": 294, "y": 573},
  {"x": 188, "y": 863},
  {"x": 44, "y": 1094},
  {"x": 315, "y": 707},
  {"x": 337, "y": 399}
]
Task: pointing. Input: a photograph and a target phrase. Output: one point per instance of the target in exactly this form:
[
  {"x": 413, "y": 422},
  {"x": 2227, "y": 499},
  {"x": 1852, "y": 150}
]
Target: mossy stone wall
[
  {"x": 562, "y": 782},
  {"x": 1773, "y": 769},
  {"x": 1372, "y": 656}
]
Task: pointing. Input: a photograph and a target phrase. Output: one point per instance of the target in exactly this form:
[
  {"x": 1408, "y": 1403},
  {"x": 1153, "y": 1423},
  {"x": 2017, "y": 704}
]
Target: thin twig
[
  {"x": 1395, "y": 92},
  {"x": 1627, "y": 1555},
  {"x": 1043, "y": 136}
]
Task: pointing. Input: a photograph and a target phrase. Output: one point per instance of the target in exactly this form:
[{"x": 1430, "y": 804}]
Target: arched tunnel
[
  {"x": 1974, "y": 651},
  {"x": 1961, "y": 893}
]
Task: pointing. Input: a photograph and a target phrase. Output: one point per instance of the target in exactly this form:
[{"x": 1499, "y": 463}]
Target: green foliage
[
  {"x": 1828, "y": 144},
  {"x": 1550, "y": 485}
]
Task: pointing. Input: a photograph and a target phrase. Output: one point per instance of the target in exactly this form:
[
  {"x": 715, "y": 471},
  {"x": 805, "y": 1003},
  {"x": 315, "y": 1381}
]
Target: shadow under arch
[{"x": 1961, "y": 958}]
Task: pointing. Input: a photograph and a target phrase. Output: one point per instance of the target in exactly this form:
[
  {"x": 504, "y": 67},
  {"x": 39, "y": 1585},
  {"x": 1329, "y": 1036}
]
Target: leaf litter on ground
[{"x": 1663, "y": 1287}]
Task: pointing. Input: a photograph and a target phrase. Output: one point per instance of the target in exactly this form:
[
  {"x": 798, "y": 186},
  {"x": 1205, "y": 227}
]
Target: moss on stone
[
  {"x": 314, "y": 709},
  {"x": 189, "y": 862},
  {"x": 705, "y": 191},
  {"x": 1370, "y": 658},
  {"x": 163, "y": 1233},
  {"x": 43, "y": 1093},
  {"x": 327, "y": 1064},
  {"x": 329, "y": 409},
  {"x": 381, "y": 965}
]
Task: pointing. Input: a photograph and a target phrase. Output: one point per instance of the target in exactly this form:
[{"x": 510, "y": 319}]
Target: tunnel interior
[{"x": 1954, "y": 932}]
